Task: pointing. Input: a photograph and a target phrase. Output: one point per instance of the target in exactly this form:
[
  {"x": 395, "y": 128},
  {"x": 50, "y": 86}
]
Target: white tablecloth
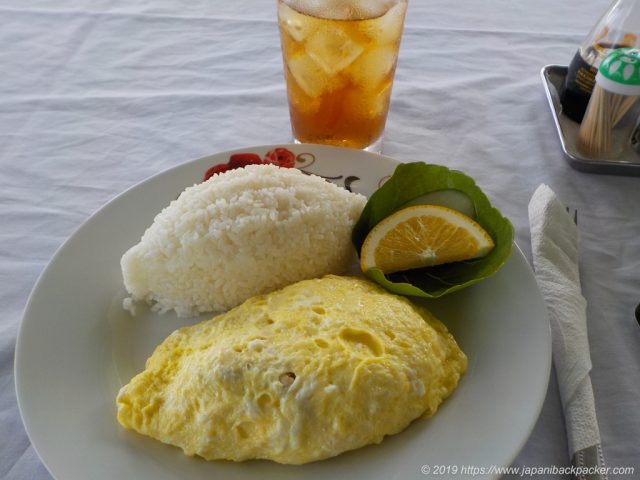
[{"x": 96, "y": 95}]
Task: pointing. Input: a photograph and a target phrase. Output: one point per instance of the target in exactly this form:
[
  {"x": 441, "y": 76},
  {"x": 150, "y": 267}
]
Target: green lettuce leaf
[{"x": 410, "y": 181}]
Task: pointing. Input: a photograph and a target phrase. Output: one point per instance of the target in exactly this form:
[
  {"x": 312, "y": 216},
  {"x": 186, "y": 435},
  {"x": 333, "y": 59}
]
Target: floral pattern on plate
[{"x": 282, "y": 157}]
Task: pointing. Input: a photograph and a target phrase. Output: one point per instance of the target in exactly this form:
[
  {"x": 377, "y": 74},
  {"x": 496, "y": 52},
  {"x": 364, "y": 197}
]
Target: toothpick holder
[{"x": 613, "y": 108}]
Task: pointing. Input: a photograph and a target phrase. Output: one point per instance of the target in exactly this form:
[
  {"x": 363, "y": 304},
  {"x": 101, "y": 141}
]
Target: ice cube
[
  {"x": 306, "y": 105},
  {"x": 386, "y": 29},
  {"x": 373, "y": 66},
  {"x": 309, "y": 8},
  {"x": 380, "y": 103},
  {"x": 308, "y": 75},
  {"x": 364, "y": 9},
  {"x": 299, "y": 99},
  {"x": 332, "y": 49},
  {"x": 339, "y": 9},
  {"x": 297, "y": 25},
  {"x": 369, "y": 104}
]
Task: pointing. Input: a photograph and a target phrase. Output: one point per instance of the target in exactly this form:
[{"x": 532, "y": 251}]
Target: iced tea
[{"x": 339, "y": 66}]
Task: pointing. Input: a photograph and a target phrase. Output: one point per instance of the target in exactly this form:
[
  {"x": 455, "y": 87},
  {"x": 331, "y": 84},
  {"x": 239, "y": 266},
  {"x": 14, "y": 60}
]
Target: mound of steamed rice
[{"x": 241, "y": 233}]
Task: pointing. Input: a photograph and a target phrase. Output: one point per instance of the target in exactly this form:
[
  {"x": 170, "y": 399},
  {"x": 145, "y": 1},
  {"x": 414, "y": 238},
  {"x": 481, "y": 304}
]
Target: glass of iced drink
[{"x": 339, "y": 61}]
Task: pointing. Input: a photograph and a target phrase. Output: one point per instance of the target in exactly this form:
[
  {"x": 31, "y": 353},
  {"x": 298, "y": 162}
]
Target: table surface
[{"x": 98, "y": 95}]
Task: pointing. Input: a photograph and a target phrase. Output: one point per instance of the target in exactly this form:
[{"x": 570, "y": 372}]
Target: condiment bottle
[
  {"x": 618, "y": 27},
  {"x": 613, "y": 109}
]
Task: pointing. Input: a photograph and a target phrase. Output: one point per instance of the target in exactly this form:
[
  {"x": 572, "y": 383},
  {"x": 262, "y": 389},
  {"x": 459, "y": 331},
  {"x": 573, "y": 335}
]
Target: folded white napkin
[{"x": 554, "y": 242}]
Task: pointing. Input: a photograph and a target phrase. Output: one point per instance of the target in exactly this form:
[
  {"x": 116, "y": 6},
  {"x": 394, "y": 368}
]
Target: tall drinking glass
[{"x": 339, "y": 61}]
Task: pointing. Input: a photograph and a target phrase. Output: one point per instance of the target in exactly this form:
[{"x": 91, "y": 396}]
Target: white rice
[{"x": 239, "y": 234}]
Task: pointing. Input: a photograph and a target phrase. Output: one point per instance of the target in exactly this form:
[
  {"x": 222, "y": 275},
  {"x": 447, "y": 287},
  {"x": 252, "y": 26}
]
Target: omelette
[{"x": 301, "y": 374}]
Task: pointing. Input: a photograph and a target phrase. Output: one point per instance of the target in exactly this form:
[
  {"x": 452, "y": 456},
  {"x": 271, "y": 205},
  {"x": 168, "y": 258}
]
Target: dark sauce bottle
[
  {"x": 616, "y": 29},
  {"x": 577, "y": 87}
]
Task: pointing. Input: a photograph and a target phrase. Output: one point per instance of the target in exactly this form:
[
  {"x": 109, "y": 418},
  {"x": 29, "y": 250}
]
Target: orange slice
[{"x": 422, "y": 236}]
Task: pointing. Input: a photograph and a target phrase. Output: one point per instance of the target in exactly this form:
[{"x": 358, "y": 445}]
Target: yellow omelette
[{"x": 301, "y": 374}]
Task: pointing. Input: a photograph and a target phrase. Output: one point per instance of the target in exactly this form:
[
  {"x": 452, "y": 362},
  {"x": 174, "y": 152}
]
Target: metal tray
[{"x": 627, "y": 164}]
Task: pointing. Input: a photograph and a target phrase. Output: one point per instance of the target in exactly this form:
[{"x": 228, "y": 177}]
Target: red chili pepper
[
  {"x": 222, "y": 167},
  {"x": 239, "y": 160},
  {"x": 281, "y": 157}
]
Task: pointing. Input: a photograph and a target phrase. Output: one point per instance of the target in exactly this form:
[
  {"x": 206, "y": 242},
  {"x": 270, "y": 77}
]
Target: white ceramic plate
[{"x": 77, "y": 347}]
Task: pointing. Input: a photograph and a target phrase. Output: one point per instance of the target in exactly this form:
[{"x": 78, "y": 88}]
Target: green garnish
[{"x": 409, "y": 182}]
